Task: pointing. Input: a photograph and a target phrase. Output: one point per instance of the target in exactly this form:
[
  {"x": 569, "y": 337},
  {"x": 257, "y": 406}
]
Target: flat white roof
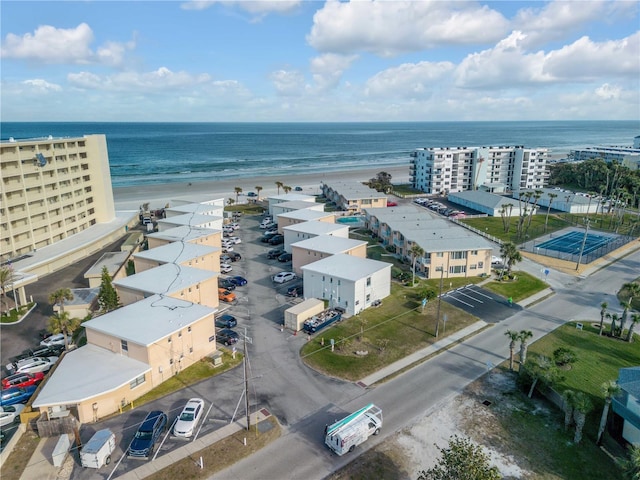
[
  {"x": 165, "y": 279},
  {"x": 177, "y": 252},
  {"x": 82, "y": 296},
  {"x": 149, "y": 320},
  {"x": 200, "y": 208},
  {"x": 298, "y": 205},
  {"x": 191, "y": 219},
  {"x": 112, "y": 260},
  {"x": 183, "y": 233},
  {"x": 346, "y": 267},
  {"x": 328, "y": 244},
  {"x": 306, "y": 214},
  {"x": 287, "y": 197},
  {"x": 87, "y": 372},
  {"x": 316, "y": 228}
]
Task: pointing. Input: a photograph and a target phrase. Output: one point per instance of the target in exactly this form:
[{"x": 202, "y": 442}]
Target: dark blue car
[
  {"x": 14, "y": 395},
  {"x": 226, "y": 321},
  {"x": 238, "y": 280},
  {"x": 145, "y": 439}
]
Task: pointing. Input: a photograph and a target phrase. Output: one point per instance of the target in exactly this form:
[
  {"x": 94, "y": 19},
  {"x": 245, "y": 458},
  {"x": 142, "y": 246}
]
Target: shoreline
[{"x": 159, "y": 195}]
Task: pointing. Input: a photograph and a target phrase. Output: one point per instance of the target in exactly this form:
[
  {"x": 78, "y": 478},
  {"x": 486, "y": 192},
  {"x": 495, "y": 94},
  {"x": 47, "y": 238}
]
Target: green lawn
[
  {"x": 406, "y": 189},
  {"x": 523, "y": 286}
]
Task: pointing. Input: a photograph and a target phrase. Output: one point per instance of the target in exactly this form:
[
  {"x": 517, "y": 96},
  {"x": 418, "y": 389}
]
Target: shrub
[{"x": 564, "y": 356}]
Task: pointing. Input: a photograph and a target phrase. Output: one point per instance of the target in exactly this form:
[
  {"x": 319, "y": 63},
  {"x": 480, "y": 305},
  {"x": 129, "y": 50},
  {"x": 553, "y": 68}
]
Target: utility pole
[
  {"x": 246, "y": 380},
  {"x": 584, "y": 241},
  {"x": 439, "y": 301}
]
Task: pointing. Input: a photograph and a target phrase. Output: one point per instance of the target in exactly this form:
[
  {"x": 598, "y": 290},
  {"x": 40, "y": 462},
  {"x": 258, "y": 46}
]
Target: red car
[
  {"x": 391, "y": 204},
  {"x": 22, "y": 380}
]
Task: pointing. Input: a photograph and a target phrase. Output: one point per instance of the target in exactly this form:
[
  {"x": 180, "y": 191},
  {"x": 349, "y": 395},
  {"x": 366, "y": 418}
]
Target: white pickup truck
[{"x": 344, "y": 435}]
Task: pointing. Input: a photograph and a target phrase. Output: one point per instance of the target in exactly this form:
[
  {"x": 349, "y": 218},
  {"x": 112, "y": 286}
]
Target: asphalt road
[{"x": 300, "y": 452}]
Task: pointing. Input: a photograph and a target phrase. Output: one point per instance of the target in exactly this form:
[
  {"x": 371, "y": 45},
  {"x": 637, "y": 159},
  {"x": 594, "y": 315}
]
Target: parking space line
[
  {"x": 469, "y": 296},
  {"x": 480, "y": 293},
  {"x": 202, "y": 423},
  {"x": 166, "y": 435},
  {"x": 461, "y": 301}
]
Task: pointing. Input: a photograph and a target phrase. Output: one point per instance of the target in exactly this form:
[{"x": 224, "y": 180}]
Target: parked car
[
  {"x": 284, "y": 277},
  {"x": 226, "y": 258},
  {"x": 234, "y": 256},
  {"x": 57, "y": 339},
  {"x": 227, "y": 336},
  {"x": 285, "y": 257},
  {"x": 275, "y": 253},
  {"x": 227, "y": 248},
  {"x": 226, "y": 295},
  {"x": 188, "y": 418},
  {"x": 12, "y": 396},
  {"x": 267, "y": 236},
  {"x": 226, "y": 283},
  {"x": 225, "y": 268},
  {"x": 392, "y": 204},
  {"x": 235, "y": 240},
  {"x": 22, "y": 380},
  {"x": 295, "y": 291},
  {"x": 36, "y": 364},
  {"x": 298, "y": 189},
  {"x": 148, "y": 432},
  {"x": 277, "y": 240},
  {"x": 238, "y": 281},
  {"x": 226, "y": 321},
  {"x": 252, "y": 194},
  {"x": 269, "y": 224},
  {"x": 10, "y": 414},
  {"x": 53, "y": 351}
]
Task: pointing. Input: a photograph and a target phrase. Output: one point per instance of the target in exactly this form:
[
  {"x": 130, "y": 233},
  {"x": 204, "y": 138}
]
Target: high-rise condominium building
[
  {"x": 493, "y": 169},
  {"x": 52, "y": 188}
]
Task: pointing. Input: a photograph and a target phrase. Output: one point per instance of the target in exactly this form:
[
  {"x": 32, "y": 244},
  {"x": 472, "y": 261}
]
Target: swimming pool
[{"x": 352, "y": 221}]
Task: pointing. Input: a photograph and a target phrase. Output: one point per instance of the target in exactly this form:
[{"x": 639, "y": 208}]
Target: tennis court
[{"x": 572, "y": 243}]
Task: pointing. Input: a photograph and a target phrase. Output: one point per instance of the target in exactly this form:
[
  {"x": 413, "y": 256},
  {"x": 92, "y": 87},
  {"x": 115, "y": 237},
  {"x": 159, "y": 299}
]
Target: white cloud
[
  {"x": 608, "y": 92},
  {"x": 161, "y": 79},
  {"x": 327, "y": 69},
  {"x": 41, "y": 86},
  {"x": 259, "y": 8},
  {"x": 52, "y": 45},
  {"x": 558, "y": 19},
  {"x": 409, "y": 80},
  {"x": 388, "y": 28},
  {"x": 288, "y": 82}
]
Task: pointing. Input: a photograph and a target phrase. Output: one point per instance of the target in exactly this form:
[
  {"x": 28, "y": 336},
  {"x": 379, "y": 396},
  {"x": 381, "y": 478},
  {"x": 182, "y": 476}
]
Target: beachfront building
[
  {"x": 316, "y": 248},
  {"x": 129, "y": 351},
  {"x": 295, "y": 205},
  {"x": 352, "y": 196},
  {"x": 625, "y": 155},
  {"x": 482, "y": 201},
  {"x": 449, "y": 249},
  {"x": 348, "y": 282},
  {"x": 302, "y": 231},
  {"x": 288, "y": 197},
  {"x": 52, "y": 188},
  {"x": 197, "y": 235},
  {"x": 441, "y": 170},
  {"x": 182, "y": 253},
  {"x": 211, "y": 209},
  {"x": 305, "y": 215},
  {"x": 172, "y": 280}
]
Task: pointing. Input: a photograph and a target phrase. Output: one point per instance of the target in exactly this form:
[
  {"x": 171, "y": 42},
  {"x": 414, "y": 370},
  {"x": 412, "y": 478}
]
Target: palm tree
[
  {"x": 623, "y": 319},
  {"x": 286, "y": 188},
  {"x": 238, "y": 191},
  {"x": 230, "y": 201},
  {"x": 614, "y": 318},
  {"x": 510, "y": 255},
  {"x": 635, "y": 318},
  {"x": 416, "y": 252},
  {"x": 60, "y": 296},
  {"x": 258, "y": 189},
  {"x": 513, "y": 338},
  {"x": 279, "y": 185},
  {"x": 581, "y": 406},
  {"x": 632, "y": 465},
  {"x": 610, "y": 389},
  {"x": 541, "y": 369},
  {"x": 567, "y": 405},
  {"x": 7, "y": 277},
  {"x": 546, "y": 220},
  {"x": 633, "y": 289},
  {"x": 61, "y": 322},
  {"x": 603, "y": 313},
  {"x": 524, "y": 336}
]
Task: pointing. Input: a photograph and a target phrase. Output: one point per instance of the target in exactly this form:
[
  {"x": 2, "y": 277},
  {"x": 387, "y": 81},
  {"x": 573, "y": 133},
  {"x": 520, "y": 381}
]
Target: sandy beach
[{"x": 158, "y": 196}]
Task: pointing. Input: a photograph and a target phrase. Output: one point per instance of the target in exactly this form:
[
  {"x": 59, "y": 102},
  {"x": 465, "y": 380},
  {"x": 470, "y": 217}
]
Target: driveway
[{"x": 484, "y": 304}]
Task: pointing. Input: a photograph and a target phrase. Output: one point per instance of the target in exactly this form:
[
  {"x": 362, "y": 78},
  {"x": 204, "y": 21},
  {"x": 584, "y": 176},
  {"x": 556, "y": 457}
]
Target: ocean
[{"x": 157, "y": 153}]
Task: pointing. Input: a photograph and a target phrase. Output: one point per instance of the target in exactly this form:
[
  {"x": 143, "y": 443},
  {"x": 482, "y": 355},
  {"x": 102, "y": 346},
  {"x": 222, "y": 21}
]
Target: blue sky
[{"x": 294, "y": 61}]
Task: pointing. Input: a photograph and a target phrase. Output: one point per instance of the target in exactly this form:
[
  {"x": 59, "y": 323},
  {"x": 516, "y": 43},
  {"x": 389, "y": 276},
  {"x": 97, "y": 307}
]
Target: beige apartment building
[{"x": 52, "y": 188}]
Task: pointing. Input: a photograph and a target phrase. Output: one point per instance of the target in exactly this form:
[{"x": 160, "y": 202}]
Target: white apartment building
[
  {"x": 627, "y": 156},
  {"x": 52, "y": 188},
  {"x": 493, "y": 169}
]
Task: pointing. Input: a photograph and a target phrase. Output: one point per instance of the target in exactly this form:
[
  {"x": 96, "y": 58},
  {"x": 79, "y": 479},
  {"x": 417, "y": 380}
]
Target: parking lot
[{"x": 477, "y": 301}]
